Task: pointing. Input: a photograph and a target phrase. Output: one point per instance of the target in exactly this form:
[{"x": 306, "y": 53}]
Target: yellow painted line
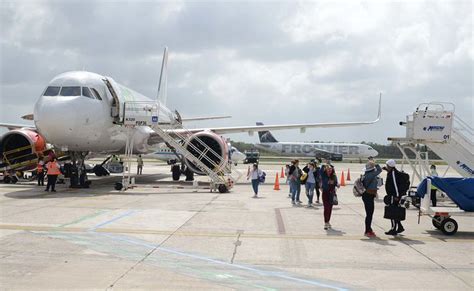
[{"x": 230, "y": 234}]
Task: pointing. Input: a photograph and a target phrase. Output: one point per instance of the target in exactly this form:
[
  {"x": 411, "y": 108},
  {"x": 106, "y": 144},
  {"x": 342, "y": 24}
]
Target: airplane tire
[
  {"x": 449, "y": 226},
  {"x": 6, "y": 180},
  {"x": 118, "y": 186},
  {"x": 222, "y": 188}
]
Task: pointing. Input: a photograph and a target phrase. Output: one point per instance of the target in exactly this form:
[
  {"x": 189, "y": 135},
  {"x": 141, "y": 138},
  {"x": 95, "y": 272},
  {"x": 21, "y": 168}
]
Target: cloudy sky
[{"x": 276, "y": 62}]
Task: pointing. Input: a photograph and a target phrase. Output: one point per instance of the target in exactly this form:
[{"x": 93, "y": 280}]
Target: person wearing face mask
[
  {"x": 329, "y": 184},
  {"x": 396, "y": 185}
]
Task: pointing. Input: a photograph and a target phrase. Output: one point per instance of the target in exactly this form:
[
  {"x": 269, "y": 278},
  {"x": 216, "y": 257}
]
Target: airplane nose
[
  {"x": 375, "y": 153},
  {"x": 55, "y": 117}
]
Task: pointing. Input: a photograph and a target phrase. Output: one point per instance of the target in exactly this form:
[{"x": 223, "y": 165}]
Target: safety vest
[
  {"x": 53, "y": 168},
  {"x": 39, "y": 168}
]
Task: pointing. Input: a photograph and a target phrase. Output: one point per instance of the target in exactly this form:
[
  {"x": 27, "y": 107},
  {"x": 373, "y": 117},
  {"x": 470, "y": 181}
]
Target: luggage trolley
[{"x": 441, "y": 217}]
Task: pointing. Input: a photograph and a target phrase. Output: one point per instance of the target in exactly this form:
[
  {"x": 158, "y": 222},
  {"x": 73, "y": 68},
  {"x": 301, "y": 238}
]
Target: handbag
[
  {"x": 334, "y": 201},
  {"x": 394, "y": 212}
]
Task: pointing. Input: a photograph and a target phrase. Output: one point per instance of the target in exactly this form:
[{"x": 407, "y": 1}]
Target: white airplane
[
  {"x": 168, "y": 155},
  {"x": 333, "y": 151},
  {"x": 82, "y": 113}
]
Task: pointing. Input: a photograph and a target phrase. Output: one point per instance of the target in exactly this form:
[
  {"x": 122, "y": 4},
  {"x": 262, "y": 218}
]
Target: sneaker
[
  {"x": 292, "y": 202},
  {"x": 310, "y": 205},
  {"x": 317, "y": 202},
  {"x": 391, "y": 232},
  {"x": 400, "y": 230},
  {"x": 370, "y": 234},
  {"x": 53, "y": 190},
  {"x": 327, "y": 226},
  {"x": 299, "y": 202},
  {"x": 46, "y": 190},
  {"x": 254, "y": 196}
]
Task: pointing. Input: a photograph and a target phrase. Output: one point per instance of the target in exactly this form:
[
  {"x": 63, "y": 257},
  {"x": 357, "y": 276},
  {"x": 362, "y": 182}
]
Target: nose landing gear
[{"x": 78, "y": 175}]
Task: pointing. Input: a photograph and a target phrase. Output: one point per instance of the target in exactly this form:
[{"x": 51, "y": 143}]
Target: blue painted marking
[
  {"x": 154, "y": 119},
  {"x": 236, "y": 266},
  {"x": 112, "y": 220}
]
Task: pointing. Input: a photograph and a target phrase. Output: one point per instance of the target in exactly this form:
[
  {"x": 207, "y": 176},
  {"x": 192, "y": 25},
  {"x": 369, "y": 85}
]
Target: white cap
[{"x": 391, "y": 163}]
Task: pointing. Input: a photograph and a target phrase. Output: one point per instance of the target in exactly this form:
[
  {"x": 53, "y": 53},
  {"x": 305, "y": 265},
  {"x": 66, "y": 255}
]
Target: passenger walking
[
  {"x": 40, "y": 172},
  {"x": 295, "y": 183},
  {"x": 287, "y": 174},
  {"x": 328, "y": 185},
  {"x": 318, "y": 178},
  {"x": 396, "y": 185},
  {"x": 310, "y": 184},
  {"x": 433, "y": 188},
  {"x": 139, "y": 165},
  {"x": 254, "y": 174},
  {"x": 369, "y": 180},
  {"x": 52, "y": 168}
]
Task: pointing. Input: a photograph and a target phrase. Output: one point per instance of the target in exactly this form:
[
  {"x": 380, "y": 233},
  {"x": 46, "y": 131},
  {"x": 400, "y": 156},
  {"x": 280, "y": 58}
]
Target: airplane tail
[
  {"x": 265, "y": 136},
  {"x": 162, "y": 95}
]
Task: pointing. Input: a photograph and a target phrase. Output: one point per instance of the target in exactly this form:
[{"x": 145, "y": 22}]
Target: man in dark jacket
[{"x": 396, "y": 187}]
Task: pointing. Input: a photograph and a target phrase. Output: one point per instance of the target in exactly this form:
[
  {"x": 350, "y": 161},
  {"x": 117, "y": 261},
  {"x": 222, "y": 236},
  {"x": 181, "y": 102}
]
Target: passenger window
[
  {"x": 96, "y": 94},
  {"x": 87, "y": 93},
  {"x": 52, "y": 91},
  {"x": 71, "y": 91}
]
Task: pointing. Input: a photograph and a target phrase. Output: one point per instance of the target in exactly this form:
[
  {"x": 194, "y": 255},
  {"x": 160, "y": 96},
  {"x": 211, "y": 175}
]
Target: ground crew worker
[
  {"x": 40, "y": 172},
  {"x": 139, "y": 165},
  {"x": 52, "y": 168}
]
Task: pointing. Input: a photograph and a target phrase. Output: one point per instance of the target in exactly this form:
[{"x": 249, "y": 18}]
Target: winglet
[
  {"x": 161, "y": 96},
  {"x": 379, "y": 114}
]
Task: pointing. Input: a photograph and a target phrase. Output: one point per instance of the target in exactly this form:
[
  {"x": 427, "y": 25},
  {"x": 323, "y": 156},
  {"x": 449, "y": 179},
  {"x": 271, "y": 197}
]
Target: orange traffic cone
[
  {"x": 282, "y": 175},
  {"x": 343, "y": 182},
  {"x": 277, "y": 183},
  {"x": 348, "y": 178}
]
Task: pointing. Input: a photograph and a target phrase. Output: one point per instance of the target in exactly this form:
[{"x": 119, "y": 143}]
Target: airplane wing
[
  {"x": 184, "y": 119},
  {"x": 12, "y": 126},
  {"x": 302, "y": 127}
]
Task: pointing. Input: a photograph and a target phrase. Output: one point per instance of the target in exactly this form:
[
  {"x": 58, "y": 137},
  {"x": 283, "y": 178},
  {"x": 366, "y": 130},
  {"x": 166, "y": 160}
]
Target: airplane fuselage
[
  {"x": 303, "y": 149},
  {"x": 76, "y": 113}
]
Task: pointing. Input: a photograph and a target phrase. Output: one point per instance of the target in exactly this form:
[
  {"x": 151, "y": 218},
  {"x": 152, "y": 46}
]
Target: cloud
[{"x": 276, "y": 62}]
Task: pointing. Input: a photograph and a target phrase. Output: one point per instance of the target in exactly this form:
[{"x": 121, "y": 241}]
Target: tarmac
[{"x": 170, "y": 238}]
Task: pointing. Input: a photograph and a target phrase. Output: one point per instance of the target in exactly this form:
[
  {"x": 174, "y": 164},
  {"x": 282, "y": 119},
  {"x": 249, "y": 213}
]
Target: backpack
[
  {"x": 404, "y": 182},
  {"x": 261, "y": 178},
  {"x": 359, "y": 187}
]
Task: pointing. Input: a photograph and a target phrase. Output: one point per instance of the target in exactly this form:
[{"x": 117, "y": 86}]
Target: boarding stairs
[
  {"x": 436, "y": 126},
  {"x": 221, "y": 176}
]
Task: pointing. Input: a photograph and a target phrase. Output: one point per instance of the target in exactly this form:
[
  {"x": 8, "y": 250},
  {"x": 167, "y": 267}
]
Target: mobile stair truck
[{"x": 436, "y": 126}]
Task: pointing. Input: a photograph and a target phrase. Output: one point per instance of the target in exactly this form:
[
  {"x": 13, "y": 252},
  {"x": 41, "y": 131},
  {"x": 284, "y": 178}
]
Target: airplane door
[{"x": 115, "y": 109}]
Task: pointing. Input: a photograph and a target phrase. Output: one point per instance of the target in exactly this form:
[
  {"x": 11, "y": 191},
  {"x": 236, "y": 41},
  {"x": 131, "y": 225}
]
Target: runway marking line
[{"x": 223, "y": 234}]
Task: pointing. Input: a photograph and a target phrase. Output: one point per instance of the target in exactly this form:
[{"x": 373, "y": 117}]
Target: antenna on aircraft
[{"x": 162, "y": 95}]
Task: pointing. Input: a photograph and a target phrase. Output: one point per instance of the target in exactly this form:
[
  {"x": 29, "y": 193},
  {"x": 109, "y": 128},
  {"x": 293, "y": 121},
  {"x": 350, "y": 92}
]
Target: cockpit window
[
  {"x": 52, "y": 91},
  {"x": 71, "y": 91},
  {"x": 96, "y": 94},
  {"x": 87, "y": 93},
  {"x": 370, "y": 148}
]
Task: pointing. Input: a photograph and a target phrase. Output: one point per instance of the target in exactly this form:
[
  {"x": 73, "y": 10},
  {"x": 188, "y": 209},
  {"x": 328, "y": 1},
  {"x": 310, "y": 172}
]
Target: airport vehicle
[
  {"x": 332, "y": 151},
  {"x": 459, "y": 190},
  {"x": 82, "y": 112},
  {"x": 251, "y": 156}
]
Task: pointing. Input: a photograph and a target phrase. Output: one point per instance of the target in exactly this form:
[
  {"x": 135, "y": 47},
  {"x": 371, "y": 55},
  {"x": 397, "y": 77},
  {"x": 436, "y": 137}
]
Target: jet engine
[
  {"x": 19, "y": 149},
  {"x": 216, "y": 158}
]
